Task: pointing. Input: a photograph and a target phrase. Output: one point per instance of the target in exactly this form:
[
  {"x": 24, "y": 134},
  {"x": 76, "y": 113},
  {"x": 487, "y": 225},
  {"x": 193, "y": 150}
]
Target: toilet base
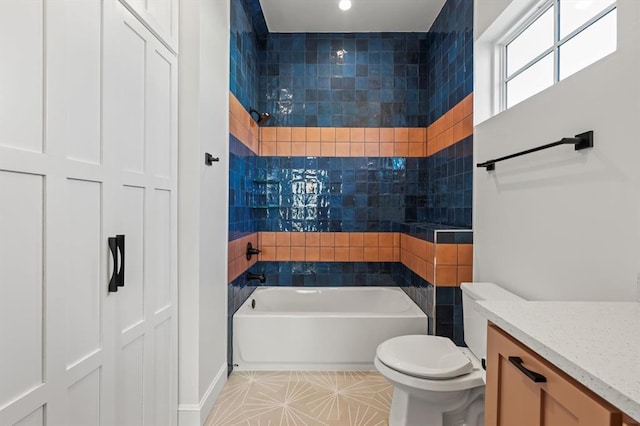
[{"x": 439, "y": 409}]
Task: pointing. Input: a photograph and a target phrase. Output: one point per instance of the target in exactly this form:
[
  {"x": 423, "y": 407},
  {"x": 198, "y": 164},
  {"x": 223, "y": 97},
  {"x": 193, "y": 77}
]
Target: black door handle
[
  {"x": 113, "y": 248},
  {"x": 536, "y": 377},
  {"x": 120, "y": 274}
]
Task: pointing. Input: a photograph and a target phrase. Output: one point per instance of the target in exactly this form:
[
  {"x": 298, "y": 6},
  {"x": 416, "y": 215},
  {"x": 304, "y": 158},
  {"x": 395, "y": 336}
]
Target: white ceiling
[{"x": 309, "y": 16}]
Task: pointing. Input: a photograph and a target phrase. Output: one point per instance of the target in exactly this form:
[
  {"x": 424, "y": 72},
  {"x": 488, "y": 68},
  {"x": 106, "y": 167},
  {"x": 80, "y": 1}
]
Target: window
[{"x": 559, "y": 39}]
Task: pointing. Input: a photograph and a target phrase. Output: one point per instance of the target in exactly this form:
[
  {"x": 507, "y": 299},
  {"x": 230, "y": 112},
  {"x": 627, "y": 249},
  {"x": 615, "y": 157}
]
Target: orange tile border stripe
[
  {"x": 452, "y": 127},
  {"x": 238, "y": 263},
  {"x": 329, "y": 246},
  {"x": 455, "y": 125},
  {"x": 443, "y": 265},
  {"x": 242, "y": 126},
  {"x": 343, "y": 141}
]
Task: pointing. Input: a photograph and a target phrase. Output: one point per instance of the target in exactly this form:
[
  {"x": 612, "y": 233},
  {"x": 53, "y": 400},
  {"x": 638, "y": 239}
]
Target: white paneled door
[{"x": 88, "y": 151}]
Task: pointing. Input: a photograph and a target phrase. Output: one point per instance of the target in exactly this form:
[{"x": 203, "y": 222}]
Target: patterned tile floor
[{"x": 301, "y": 398}]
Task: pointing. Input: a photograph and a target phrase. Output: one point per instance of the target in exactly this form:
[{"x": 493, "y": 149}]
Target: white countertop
[{"x": 596, "y": 343}]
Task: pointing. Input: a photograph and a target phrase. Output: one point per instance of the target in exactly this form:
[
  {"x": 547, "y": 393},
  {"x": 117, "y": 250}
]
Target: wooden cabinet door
[{"x": 513, "y": 397}]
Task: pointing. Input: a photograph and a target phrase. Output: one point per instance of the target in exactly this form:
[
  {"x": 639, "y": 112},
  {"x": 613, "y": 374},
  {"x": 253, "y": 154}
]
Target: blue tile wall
[
  {"x": 443, "y": 305},
  {"x": 241, "y": 189},
  {"x": 327, "y": 274},
  {"x": 345, "y": 80},
  {"x": 337, "y": 194},
  {"x": 248, "y": 35},
  {"x": 450, "y": 58},
  {"x": 419, "y": 290},
  {"x": 333, "y": 194},
  {"x": 450, "y": 196},
  {"x": 449, "y": 320}
]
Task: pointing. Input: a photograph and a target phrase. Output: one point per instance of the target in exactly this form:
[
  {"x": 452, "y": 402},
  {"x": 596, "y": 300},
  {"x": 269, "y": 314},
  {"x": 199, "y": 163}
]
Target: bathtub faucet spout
[{"x": 260, "y": 277}]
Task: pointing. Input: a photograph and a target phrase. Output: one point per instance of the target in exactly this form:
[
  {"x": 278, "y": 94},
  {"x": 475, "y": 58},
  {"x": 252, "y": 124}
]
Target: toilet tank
[{"x": 475, "y": 322}]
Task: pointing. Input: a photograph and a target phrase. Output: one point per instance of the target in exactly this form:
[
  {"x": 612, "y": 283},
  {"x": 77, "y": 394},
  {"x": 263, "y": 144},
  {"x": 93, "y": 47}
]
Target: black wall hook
[{"x": 210, "y": 159}]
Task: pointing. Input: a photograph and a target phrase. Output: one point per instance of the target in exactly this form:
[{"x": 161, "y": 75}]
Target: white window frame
[{"x": 533, "y": 15}]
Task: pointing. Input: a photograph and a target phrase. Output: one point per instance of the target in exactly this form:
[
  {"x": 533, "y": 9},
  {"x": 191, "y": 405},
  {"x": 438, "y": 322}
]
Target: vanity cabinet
[{"x": 526, "y": 390}]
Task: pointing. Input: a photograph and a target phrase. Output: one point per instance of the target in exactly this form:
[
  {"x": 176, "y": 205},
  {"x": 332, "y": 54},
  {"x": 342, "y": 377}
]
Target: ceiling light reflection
[{"x": 344, "y": 4}]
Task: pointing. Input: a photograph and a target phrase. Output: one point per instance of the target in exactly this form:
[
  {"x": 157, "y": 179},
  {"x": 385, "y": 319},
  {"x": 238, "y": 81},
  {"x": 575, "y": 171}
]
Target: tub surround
[
  {"x": 350, "y": 125},
  {"x": 596, "y": 343},
  {"x": 420, "y": 256},
  {"x": 417, "y": 250}
]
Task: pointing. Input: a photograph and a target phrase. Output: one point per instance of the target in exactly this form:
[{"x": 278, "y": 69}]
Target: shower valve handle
[{"x": 251, "y": 251}]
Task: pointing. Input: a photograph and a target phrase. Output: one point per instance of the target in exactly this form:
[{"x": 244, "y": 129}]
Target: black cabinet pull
[
  {"x": 113, "y": 248},
  {"x": 536, "y": 377},
  {"x": 120, "y": 274}
]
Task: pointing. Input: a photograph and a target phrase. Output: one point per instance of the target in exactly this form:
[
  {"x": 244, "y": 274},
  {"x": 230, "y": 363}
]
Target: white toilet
[{"x": 435, "y": 382}]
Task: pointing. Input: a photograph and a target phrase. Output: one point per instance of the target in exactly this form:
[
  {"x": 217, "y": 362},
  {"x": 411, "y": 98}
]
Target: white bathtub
[{"x": 320, "y": 328}]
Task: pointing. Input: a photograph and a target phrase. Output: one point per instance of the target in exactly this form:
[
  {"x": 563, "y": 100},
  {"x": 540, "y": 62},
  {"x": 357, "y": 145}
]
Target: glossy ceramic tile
[
  {"x": 345, "y": 80},
  {"x": 419, "y": 290},
  {"x": 450, "y": 58},
  {"x": 450, "y": 187},
  {"x": 298, "y": 398},
  {"x": 352, "y": 80},
  {"x": 448, "y": 313},
  {"x": 242, "y": 126},
  {"x": 241, "y": 161},
  {"x": 329, "y": 247},
  {"x": 237, "y": 259},
  {"x": 327, "y": 274},
  {"x": 248, "y": 32},
  {"x": 339, "y": 194},
  {"x": 452, "y": 127},
  {"x": 344, "y": 141}
]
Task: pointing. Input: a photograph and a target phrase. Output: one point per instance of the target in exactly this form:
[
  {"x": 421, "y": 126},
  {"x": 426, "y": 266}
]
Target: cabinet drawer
[{"x": 524, "y": 389}]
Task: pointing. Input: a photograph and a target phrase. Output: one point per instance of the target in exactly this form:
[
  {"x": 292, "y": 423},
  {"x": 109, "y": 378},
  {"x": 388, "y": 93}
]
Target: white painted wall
[
  {"x": 560, "y": 224},
  {"x": 486, "y": 13},
  {"x": 203, "y": 205}
]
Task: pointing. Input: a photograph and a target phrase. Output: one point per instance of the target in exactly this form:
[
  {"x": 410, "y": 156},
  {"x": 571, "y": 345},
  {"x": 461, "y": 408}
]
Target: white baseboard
[
  {"x": 213, "y": 392},
  {"x": 188, "y": 416},
  {"x": 196, "y": 414}
]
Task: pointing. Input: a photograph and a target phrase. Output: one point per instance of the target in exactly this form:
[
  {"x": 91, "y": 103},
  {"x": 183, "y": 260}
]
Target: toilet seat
[
  {"x": 425, "y": 357},
  {"x": 476, "y": 376}
]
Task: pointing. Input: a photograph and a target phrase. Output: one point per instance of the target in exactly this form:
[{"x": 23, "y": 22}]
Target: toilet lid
[{"x": 429, "y": 357}]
